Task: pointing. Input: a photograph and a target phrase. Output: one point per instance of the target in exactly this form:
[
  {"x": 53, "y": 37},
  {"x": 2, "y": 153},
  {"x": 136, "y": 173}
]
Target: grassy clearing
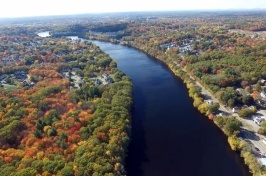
[{"x": 10, "y": 87}]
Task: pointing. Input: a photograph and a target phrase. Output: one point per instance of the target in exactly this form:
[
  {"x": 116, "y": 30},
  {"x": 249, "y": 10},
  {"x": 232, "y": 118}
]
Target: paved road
[{"x": 255, "y": 139}]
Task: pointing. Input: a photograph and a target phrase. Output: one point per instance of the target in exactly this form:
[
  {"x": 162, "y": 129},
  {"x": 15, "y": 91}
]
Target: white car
[
  {"x": 264, "y": 140},
  {"x": 258, "y": 120},
  {"x": 240, "y": 138}
]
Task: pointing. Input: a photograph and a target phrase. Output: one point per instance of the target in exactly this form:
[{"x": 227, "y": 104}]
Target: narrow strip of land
[{"x": 250, "y": 129}]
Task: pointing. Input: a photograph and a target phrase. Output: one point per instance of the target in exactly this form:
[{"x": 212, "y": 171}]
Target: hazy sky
[{"x": 20, "y": 8}]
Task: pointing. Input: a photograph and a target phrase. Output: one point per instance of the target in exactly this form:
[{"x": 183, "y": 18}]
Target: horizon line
[{"x": 143, "y": 11}]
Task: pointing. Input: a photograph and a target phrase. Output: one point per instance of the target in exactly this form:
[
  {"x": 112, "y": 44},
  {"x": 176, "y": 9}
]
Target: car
[
  {"x": 258, "y": 150},
  {"x": 258, "y": 120},
  {"x": 240, "y": 138},
  {"x": 264, "y": 140}
]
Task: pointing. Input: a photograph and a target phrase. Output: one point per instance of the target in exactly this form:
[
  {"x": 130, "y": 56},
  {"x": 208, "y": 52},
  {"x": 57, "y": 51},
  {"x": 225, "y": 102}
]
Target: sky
[{"x": 22, "y": 8}]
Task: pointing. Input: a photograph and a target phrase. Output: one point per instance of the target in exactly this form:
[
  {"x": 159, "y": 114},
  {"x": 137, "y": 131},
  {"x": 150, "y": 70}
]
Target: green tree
[
  {"x": 232, "y": 126},
  {"x": 231, "y": 103},
  {"x": 248, "y": 100},
  {"x": 220, "y": 121},
  {"x": 67, "y": 171},
  {"x": 262, "y": 129},
  {"x": 197, "y": 102},
  {"x": 234, "y": 142},
  {"x": 7, "y": 170},
  {"x": 26, "y": 172},
  {"x": 246, "y": 112},
  {"x": 52, "y": 132},
  {"x": 37, "y": 165},
  {"x": 37, "y": 133},
  {"x": 213, "y": 108}
]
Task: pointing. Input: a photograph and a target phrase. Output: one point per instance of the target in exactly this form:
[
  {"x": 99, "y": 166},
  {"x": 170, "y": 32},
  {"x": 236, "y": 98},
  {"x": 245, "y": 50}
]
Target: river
[
  {"x": 44, "y": 34},
  {"x": 169, "y": 136}
]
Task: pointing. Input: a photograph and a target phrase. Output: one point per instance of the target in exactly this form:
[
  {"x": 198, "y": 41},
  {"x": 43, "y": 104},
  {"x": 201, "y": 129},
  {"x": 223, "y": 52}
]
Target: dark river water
[{"x": 169, "y": 136}]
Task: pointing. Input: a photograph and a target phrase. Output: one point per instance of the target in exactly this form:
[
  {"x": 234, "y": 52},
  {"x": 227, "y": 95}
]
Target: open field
[
  {"x": 10, "y": 87},
  {"x": 259, "y": 34}
]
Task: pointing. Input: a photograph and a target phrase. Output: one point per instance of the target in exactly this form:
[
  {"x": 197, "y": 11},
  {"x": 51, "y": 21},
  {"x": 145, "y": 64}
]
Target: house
[
  {"x": 262, "y": 81},
  {"x": 65, "y": 70},
  {"x": 106, "y": 79},
  {"x": 261, "y": 102},
  {"x": 241, "y": 91},
  {"x": 2, "y": 77},
  {"x": 81, "y": 81},
  {"x": 20, "y": 74},
  {"x": 25, "y": 83},
  {"x": 263, "y": 160},
  {"x": 75, "y": 69},
  {"x": 110, "y": 81},
  {"x": 105, "y": 76},
  {"x": 97, "y": 82},
  {"x": 236, "y": 109},
  {"x": 209, "y": 101},
  {"x": 251, "y": 107}
]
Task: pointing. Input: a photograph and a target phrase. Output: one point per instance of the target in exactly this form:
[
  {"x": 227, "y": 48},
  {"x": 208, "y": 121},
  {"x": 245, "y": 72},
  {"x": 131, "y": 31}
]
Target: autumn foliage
[{"x": 51, "y": 128}]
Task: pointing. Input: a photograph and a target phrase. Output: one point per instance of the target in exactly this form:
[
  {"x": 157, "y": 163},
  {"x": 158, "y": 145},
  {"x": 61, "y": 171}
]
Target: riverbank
[
  {"x": 167, "y": 131},
  {"x": 193, "y": 89},
  {"x": 234, "y": 142}
]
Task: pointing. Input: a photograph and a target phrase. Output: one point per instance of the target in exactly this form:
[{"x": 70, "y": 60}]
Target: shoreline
[
  {"x": 198, "y": 84},
  {"x": 189, "y": 79}
]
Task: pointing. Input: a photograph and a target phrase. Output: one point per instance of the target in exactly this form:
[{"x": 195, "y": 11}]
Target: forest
[{"x": 56, "y": 120}]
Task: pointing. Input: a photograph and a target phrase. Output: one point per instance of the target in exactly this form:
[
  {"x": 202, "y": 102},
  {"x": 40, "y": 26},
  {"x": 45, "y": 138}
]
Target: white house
[
  {"x": 262, "y": 81},
  {"x": 209, "y": 101}
]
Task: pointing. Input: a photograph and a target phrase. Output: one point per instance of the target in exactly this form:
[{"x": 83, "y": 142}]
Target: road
[
  {"x": 249, "y": 126},
  {"x": 255, "y": 139}
]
